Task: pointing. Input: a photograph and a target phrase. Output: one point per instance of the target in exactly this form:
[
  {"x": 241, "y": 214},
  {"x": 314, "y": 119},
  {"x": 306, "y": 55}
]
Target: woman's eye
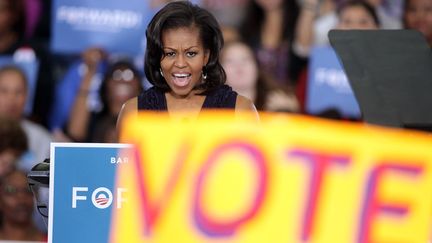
[
  {"x": 169, "y": 54},
  {"x": 191, "y": 53}
]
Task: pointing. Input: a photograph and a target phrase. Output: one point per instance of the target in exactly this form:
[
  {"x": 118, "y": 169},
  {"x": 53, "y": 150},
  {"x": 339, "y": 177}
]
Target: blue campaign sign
[
  {"x": 83, "y": 192},
  {"x": 116, "y": 26},
  {"x": 328, "y": 86},
  {"x": 30, "y": 67}
]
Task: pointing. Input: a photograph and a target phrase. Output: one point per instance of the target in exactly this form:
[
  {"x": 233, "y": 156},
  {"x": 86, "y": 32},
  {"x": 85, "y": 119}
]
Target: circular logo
[{"x": 102, "y": 197}]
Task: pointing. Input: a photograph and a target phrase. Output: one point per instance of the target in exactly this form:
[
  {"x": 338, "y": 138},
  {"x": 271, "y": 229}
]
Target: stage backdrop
[
  {"x": 289, "y": 179},
  {"x": 116, "y": 26}
]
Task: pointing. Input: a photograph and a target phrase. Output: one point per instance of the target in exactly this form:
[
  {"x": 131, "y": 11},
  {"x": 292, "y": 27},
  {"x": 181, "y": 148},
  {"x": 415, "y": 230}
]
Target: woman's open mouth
[{"x": 181, "y": 79}]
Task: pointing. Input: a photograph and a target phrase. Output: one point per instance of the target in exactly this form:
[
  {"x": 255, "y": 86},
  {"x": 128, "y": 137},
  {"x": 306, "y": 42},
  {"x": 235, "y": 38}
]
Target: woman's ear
[{"x": 206, "y": 57}]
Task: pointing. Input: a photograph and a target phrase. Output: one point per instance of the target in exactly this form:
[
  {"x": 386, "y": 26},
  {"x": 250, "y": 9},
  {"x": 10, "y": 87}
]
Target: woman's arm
[
  {"x": 244, "y": 105},
  {"x": 130, "y": 107},
  {"x": 79, "y": 117},
  {"x": 304, "y": 30}
]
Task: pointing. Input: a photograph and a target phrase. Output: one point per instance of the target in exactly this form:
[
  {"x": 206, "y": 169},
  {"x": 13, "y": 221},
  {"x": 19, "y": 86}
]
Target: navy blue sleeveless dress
[{"x": 222, "y": 97}]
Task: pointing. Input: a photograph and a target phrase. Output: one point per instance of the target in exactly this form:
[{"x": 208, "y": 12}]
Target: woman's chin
[{"x": 181, "y": 93}]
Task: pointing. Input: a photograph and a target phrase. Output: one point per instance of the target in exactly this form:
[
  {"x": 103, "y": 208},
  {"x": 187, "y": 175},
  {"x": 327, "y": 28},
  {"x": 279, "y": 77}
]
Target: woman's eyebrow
[{"x": 174, "y": 49}]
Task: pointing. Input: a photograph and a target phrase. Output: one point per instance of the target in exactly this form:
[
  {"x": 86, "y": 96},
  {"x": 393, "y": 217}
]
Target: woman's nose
[{"x": 180, "y": 61}]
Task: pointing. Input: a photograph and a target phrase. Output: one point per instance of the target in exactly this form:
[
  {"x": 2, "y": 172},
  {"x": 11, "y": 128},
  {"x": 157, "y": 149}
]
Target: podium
[{"x": 82, "y": 194}]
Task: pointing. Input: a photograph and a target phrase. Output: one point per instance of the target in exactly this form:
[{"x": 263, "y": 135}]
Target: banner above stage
[
  {"x": 116, "y": 26},
  {"x": 288, "y": 179}
]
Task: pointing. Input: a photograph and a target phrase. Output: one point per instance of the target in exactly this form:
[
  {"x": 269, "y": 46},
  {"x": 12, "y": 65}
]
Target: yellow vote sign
[{"x": 287, "y": 179}]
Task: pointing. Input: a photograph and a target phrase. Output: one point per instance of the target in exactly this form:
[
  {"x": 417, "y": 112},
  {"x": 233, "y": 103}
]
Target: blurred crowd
[{"x": 77, "y": 97}]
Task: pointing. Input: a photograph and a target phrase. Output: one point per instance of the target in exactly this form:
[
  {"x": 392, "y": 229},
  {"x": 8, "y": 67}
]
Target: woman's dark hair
[
  {"x": 360, "y": 3},
  {"x": 184, "y": 14},
  {"x": 122, "y": 64},
  {"x": 262, "y": 91},
  {"x": 12, "y": 136},
  {"x": 251, "y": 26}
]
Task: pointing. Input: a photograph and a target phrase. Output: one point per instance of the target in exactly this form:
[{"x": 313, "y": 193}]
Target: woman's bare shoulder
[
  {"x": 130, "y": 107},
  {"x": 244, "y": 104}
]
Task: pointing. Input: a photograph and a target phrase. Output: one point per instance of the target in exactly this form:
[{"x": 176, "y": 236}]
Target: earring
[
  {"x": 160, "y": 70},
  {"x": 204, "y": 73}
]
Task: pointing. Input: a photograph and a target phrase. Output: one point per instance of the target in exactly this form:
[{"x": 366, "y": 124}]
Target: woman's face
[
  {"x": 241, "y": 69},
  {"x": 356, "y": 17},
  {"x": 13, "y": 94},
  {"x": 122, "y": 86},
  {"x": 418, "y": 15},
  {"x": 16, "y": 199},
  {"x": 7, "y": 161},
  {"x": 183, "y": 59}
]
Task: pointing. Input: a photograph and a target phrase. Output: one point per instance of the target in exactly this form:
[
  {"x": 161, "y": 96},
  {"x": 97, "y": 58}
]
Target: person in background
[
  {"x": 245, "y": 77},
  {"x": 385, "y": 11},
  {"x": 13, "y": 144},
  {"x": 12, "y": 26},
  {"x": 418, "y": 15},
  {"x": 182, "y": 62},
  {"x": 106, "y": 131},
  {"x": 227, "y": 12},
  {"x": 358, "y": 15},
  {"x": 16, "y": 209},
  {"x": 13, "y": 42},
  {"x": 13, "y": 95},
  {"x": 74, "y": 68},
  {"x": 269, "y": 27},
  {"x": 38, "y": 20},
  {"x": 318, "y": 17},
  {"x": 230, "y": 33},
  {"x": 352, "y": 14},
  {"x": 121, "y": 82},
  {"x": 90, "y": 67}
]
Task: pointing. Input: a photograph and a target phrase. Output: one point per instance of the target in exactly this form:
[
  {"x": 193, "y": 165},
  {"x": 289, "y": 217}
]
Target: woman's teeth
[
  {"x": 182, "y": 75},
  {"x": 181, "y": 79}
]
